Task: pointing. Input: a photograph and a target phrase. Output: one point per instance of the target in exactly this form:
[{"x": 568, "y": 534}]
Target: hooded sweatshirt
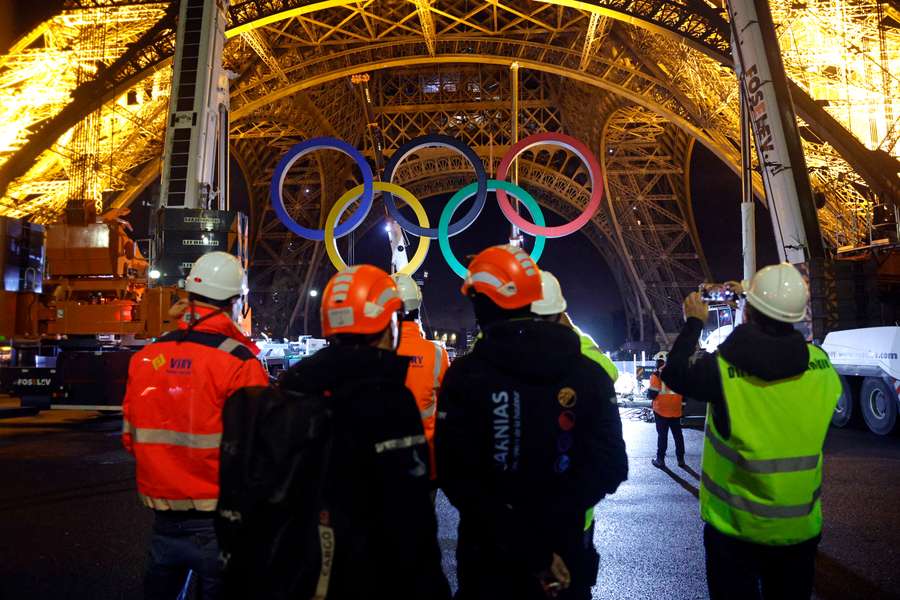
[
  {"x": 771, "y": 357},
  {"x": 528, "y": 432}
]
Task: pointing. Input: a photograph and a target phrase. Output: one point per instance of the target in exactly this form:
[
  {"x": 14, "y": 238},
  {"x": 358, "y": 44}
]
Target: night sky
[{"x": 594, "y": 301}]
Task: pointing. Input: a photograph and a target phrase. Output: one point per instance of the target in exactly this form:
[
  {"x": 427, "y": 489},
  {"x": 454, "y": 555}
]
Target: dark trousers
[
  {"x": 739, "y": 570},
  {"x": 663, "y": 425},
  {"x": 485, "y": 572},
  {"x": 182, "y": 542}
]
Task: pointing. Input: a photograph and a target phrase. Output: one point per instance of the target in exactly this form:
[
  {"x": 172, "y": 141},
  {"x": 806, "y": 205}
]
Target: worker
[
  {"x": 528, "y": 438},
  {"x": 428, "y": 360},
  {"x": 172, "y": 411},
  {"x": 666, "y": 414},
  {"x": 771, "y": 397},
  {"x": 552, "y": 307},
  {"x": 385, "y": 536}
]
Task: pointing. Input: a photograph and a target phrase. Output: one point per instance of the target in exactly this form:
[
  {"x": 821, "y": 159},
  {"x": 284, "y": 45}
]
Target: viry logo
[{"x": 180, "y": 364}]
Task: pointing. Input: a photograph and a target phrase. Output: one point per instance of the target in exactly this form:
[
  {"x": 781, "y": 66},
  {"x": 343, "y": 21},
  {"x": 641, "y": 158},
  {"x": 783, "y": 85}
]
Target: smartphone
[{"x": 717, "y": 292}]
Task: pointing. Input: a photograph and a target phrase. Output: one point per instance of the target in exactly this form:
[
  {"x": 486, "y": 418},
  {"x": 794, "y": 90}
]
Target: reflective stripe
[
  {"x": 399, "y": 443},
  {"x": 385, "y": 296},
  {"x": 484, "y": 277},
  {"x": 127, "y": 427},
  {"x": 201, "y": 441},
  {"x": 437, "y": 366},
  {"x": 763, "y": 465},
  {"x": 768, "y": 511},
  {"x": 205, "y": 504},
  {"x": 228, "y": 345},
  {"x": 427, "y": 413}
]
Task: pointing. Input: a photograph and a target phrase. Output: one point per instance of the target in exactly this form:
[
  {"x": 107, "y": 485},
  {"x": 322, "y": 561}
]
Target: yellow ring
[{"x": 380, "y": 186}]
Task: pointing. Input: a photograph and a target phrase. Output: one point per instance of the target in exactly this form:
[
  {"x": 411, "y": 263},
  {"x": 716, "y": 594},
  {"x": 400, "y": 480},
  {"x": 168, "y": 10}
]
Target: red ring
[{"x": 557, "y": 139}]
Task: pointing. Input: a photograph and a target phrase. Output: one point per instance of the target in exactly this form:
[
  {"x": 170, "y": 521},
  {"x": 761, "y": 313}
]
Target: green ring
[{"x": 467, "y": 192}]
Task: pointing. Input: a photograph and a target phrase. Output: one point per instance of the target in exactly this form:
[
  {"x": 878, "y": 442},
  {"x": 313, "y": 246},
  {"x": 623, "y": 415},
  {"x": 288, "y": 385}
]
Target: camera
[{"x": 718, "y": 292}]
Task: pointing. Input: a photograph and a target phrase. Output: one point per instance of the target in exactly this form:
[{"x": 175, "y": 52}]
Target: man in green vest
[{"x": 771, "y": 396}]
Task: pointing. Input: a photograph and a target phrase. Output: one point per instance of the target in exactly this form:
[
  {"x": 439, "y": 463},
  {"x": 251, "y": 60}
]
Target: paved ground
[{"x": 71, "y": 527}]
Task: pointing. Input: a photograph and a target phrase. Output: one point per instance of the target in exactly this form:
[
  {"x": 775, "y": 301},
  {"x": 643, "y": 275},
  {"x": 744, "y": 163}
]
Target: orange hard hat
[
  {"x": 360, "y": 299},
  {"x": 506, "y": 275}
]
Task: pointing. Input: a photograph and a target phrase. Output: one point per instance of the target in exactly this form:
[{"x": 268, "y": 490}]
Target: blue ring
[
  {"x": 444, "y": 141},
  {"x": 303, "y": 148}
]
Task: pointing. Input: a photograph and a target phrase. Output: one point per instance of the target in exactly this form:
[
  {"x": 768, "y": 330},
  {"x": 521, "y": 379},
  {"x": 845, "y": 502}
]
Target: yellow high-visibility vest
[{"x": 763, "y": 483}]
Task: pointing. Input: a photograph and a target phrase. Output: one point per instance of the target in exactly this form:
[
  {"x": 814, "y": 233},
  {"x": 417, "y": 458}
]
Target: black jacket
[
  {"x": 381, "y": 482},
  {"x": 764, "y": 355},
  {"x": 528, "y": 437}
]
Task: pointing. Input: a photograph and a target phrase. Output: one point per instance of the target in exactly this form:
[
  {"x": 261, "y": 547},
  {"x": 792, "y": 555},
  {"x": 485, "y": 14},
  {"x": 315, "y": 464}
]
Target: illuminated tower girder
[{"x": 293, "y": 59}]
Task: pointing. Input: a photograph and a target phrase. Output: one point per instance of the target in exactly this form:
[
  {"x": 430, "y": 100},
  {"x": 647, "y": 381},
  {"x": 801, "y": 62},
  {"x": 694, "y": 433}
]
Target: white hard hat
[
  {"x": 779, "y": 292},
  {"x": 662, "y": 355},
  {"x": 409, "y": 291},
  {"x": 553, "y": 302},
  {"x": 217, "y": 275}
]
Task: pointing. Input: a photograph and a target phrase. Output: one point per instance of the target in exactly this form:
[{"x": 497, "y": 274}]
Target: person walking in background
[
  {"x": 528, "y": 439},
  {"x": 771, "y": 398},
  {"x": 428, "y": 360},
  {"x": 172, "y": 416},
  {"x": 666, "y": 414}
]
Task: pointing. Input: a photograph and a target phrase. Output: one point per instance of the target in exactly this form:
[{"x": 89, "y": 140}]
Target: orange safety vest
[
  {"x": 667, "y": 403},
  {"x": 172, "y": 410},
  {"x": 427, "y": 365}
]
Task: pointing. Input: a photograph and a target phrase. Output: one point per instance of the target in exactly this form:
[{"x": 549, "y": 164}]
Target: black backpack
[{"x": 276, "y": 533}]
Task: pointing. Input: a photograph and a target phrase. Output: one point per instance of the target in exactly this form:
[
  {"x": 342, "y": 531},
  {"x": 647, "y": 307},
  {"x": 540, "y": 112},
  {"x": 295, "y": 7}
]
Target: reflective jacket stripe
[
  {"x": 428, "y": 411},
  {"x": 437, "y": 366},
  {"x": 205, "y": 504},
  {"x": 399, "y": 443},
  {"x": 229, "y": 345},
  {"x": 768, "y": 511},
  {"x": 202, "y": 441},
  {"x": 127, "y": 427},
  {"x": 771, "y": 465}
]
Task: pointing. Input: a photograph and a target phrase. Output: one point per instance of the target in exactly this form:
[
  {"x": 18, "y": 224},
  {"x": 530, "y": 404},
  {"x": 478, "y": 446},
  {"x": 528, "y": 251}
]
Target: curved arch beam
[
  {"x": 727, "y": 155},
  {"x": 702, "y": 27}
]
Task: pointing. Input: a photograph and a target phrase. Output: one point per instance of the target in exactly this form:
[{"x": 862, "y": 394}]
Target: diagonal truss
[{"x": 650, "y": 212}]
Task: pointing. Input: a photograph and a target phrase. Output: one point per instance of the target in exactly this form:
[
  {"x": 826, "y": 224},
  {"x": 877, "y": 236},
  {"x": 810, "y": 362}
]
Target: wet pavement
[{"x": 71, "y": 525}]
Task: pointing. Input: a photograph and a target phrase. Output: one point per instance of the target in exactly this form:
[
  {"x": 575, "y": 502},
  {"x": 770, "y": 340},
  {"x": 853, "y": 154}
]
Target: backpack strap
[{"x": 210, "y": 340}]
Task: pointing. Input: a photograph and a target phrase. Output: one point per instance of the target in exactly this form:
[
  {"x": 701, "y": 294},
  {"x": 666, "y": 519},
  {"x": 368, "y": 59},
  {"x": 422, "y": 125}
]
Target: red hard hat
[
  {"x": 360, "y": 299},
  {"x": 506, "y": 275}
]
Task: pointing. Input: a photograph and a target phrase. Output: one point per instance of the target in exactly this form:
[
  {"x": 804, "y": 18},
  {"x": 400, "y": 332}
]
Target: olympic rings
[
  {"x": 306, "y": 147},
  {"x": 349, "y": 197},
  {"x": 464, "y": 194},
  {"x": 443, "y": 141},
  {"x": 445, "y": 230},
  {"x": 569, "y": 143}
]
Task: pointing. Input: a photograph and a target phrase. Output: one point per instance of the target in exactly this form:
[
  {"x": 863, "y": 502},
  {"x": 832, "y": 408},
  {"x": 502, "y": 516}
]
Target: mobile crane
[{"x": 78, "y": 296}]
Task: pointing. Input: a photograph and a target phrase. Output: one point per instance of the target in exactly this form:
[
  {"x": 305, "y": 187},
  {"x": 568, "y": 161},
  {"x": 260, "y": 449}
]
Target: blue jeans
[{"x": 183, "y": 542}]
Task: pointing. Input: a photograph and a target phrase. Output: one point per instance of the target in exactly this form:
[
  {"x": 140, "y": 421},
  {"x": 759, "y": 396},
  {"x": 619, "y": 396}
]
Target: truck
[{"x": 868, "y": 362}]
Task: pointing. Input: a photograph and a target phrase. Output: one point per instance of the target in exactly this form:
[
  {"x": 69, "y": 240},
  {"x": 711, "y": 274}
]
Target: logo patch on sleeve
[{"x": 158, "y": 362}]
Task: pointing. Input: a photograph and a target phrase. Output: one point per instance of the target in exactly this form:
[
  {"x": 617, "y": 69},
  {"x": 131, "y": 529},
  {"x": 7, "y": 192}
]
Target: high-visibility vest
[
  {"x": 667, "y": 403},
  {"x": 763, "y": 483},
  {"x": 172, "y": 410},
  {"x": 427, "y": 365},
  {"x": 592, "y": 350}
]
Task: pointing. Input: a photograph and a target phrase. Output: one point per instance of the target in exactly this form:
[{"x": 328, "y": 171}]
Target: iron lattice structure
[{"x": 83, "y": 97}]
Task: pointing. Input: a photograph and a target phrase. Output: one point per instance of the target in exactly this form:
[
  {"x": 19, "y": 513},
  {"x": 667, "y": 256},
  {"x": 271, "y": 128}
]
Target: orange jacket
[
  {"x": 428, "y": 362},
  {"x": 667, "y": 403},
  {"x": 172, "y": 409}
]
